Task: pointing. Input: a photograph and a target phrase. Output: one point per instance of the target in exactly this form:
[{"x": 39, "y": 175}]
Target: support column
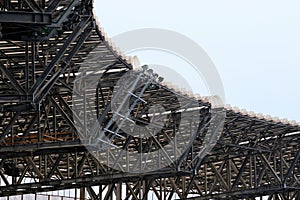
[{"x": 82, "y": 193}]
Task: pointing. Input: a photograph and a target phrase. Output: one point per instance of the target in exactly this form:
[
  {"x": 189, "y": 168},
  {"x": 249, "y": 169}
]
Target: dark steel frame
[{"x": 41, "y": 49}]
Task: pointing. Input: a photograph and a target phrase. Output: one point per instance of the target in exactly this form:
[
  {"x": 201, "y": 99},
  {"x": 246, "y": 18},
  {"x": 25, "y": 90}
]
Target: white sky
[{"x": 254, "y": 44}]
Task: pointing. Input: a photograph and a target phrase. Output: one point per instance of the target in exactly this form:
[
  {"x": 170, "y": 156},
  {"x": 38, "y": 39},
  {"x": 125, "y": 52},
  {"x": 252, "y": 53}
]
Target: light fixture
[
  {"x": 160, "y": 79},
  {"x": 145, "y": 67}
]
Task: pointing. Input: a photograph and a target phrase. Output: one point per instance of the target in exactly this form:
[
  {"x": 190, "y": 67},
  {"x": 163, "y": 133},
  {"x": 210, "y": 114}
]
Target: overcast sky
[{"x": 255, "y": 44}]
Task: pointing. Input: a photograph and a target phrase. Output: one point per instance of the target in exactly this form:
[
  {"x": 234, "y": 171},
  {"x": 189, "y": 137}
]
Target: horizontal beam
[
  {"x": 48, "y": 148},
  {"x": 26, "y": 18},
  {"x": 16, "y": 98},
  {"x": 93, "y": 180},
  {"x": 255, "y": 192}
]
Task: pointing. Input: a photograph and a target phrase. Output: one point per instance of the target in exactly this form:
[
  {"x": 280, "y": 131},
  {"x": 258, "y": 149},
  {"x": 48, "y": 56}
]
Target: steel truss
[{"x": 42, "y": 46}]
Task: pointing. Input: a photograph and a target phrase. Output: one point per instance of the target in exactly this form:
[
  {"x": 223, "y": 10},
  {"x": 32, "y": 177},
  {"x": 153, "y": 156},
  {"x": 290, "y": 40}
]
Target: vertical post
[
  {"x": 145, "y": 191},
  {"x": 255, "y": 172},
  {"x": 26, "y": 67},
  {"x": 42, "y": 4},
  {"x": 101, "y": 192},
  {"x": 251, "y": 174},
  {"x": 229, "y": 173},
  {"x": 165, "y": 189},
  {"x": 175, "y": 141},
  {"x": 14, "y": 179},
  {"x": 82, "y": 193},
  {"x": 76, "y": 165},
  {"x": 54, "y": 121},
  {"x": 141, "y": 150},
  {"x": 119, "y": 191},
  {"x": 84, "y": 108},
  {"x": 39, "y": 122},
  {"x": 281, "y": 162},
  {"x": 45, "y": 165},
  {"x": 192, "y": 147},
  {"x": 68, "y": 167},
  {"x": 33, "y": 47},
  {"x": 205, "y": 174},
  {"x": 20, "y": 4},
  {"x": 160, "y": 188},
  {"x": 141, "y": 188},
  {"x": 97, "y": 103},
  {"x": 40, "y": 165}
]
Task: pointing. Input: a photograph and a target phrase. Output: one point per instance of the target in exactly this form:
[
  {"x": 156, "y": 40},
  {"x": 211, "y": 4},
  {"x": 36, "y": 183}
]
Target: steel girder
[
  {"x": 262, "y": 161},
  {"x": 40, "y": 146}
]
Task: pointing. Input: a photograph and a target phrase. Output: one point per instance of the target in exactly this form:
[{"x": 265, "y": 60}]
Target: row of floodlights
[{"x": 151, "y": 73}]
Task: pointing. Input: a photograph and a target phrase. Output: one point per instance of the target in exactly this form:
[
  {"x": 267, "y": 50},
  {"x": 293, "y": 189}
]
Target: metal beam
[{"x": 33, "y": 18}]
